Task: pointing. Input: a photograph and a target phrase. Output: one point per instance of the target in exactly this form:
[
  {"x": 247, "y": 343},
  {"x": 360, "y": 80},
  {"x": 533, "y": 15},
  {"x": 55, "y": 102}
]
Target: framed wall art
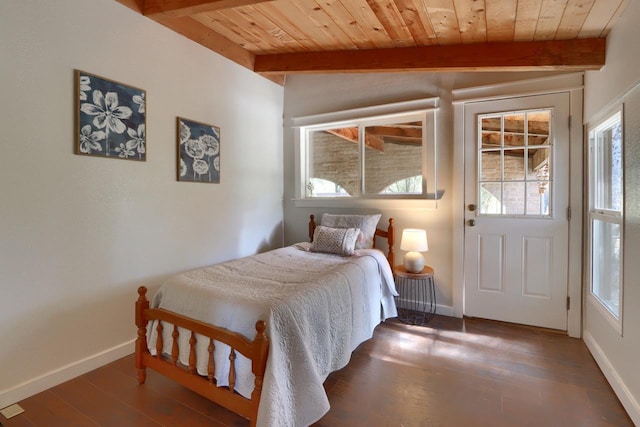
[
  {"x": 110, "y": 118},
  {"x": 198, "y": 151}
]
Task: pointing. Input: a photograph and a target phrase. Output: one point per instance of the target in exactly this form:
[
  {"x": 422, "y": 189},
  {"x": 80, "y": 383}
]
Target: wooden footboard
[{"x": 256, "y": 351}]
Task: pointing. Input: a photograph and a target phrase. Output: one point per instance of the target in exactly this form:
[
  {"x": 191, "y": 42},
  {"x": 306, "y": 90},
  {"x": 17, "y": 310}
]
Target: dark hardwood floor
[{"x": 452, "y": 372}]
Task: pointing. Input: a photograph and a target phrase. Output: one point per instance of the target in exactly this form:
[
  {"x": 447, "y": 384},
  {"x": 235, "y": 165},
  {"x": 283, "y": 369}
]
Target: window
[
  {"x": 605, "y": 215},
  {"x": 514, "y": 163},
  {"x": 388, "y": 155},
  {"x": 411, "y": 185},
  {"x": 318, "y": 187}
]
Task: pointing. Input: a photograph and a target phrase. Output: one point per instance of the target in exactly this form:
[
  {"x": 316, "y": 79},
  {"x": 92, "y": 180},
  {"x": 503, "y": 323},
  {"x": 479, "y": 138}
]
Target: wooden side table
[{"x": 417, "y": 300}]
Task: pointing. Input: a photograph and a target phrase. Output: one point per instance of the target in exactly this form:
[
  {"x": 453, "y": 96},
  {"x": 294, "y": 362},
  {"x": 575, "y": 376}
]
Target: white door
[{"x": 516, "y": 210}]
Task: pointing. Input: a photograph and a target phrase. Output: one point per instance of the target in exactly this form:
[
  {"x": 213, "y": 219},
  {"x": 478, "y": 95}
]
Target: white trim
[
  {"x": 445, "y": 310},
  {"x": 611, "y": 105},
  {"x": 530, "y": 87},
  {"x": 605, "y": 119},
  {"x": 566, "y": 83},
  {"x": 576, "y": 199},
  {"x": 631, "y": 405},
  {"x": 371, "y": 112},
  {"x": 43, "y": 382},
  {"x": 457, "y": 264},
  {"x": 362, "y": 202}
]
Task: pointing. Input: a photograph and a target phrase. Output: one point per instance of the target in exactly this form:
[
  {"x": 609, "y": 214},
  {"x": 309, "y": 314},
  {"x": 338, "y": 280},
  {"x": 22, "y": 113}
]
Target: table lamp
[{"x": 414, "y": 241}]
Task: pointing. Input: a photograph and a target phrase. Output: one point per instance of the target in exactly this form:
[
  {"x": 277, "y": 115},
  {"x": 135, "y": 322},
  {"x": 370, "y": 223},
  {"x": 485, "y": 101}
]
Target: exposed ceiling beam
[
  {"x": 397, "y": 132},
  {"x": 179, "y": 8},
  {"x": 351, "y": 134},
  {"x": 374, "y": 142},
  {"x": 208, "y": 38},
  {"x": 203, "y": 35},
  {"x": 575, "y": 54},
  {"x": 137, "y": 5}
]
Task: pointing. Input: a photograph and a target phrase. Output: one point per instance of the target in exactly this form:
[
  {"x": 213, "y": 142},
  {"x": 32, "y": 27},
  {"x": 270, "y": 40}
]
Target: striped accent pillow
[{"x": 339, "y": 241}]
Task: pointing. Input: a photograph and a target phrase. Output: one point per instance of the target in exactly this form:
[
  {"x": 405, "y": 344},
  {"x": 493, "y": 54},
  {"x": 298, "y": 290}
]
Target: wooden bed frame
[{"x": 256, "y": 350}]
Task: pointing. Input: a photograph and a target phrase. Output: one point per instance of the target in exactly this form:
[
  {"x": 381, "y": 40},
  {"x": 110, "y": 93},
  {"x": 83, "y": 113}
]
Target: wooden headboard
[{"x": 383, "y": 234}]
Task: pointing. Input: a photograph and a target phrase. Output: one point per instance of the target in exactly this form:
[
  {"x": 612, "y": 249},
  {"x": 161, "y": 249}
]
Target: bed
[{"x": 259, "y": 335}]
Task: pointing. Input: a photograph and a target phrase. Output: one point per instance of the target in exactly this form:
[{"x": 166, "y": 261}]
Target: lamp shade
[{"x": 414, "y": 240}]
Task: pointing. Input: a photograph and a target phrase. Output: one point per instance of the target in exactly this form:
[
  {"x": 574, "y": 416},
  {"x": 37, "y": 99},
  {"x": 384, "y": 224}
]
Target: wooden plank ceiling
[{"x": 278, "y": 37}]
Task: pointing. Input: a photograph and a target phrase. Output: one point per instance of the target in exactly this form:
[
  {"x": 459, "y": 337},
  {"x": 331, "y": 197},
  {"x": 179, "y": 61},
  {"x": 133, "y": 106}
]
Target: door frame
[{"x": 570, "y": 83}]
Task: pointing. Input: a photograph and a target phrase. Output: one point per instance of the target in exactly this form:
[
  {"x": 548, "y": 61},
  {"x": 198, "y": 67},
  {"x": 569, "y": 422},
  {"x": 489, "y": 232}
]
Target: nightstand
[{"x": 417, "y": 300}]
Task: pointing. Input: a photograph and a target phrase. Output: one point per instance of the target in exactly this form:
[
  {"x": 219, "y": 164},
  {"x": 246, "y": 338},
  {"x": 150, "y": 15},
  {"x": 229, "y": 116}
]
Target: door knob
[
  {"x": 472, "y": 207},
  {"x": 471, "y": 222}
]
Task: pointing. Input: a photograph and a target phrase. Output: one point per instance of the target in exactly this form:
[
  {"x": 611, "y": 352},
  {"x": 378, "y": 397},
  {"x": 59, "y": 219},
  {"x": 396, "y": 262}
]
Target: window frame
[
  {"x": 423, "y": 110},
  {"x": 609, "y": 216}
]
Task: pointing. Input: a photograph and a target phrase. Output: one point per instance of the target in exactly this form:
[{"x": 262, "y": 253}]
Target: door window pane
[
  {"x": 514, "y": 163},
  {"x": 538, "y": 127},
  {"x": 514, "y": 130},
  {"x": 491, "y": 131},
  {"x": 513, "y": 198},
  {"x": 538, "y": 198},
  {"x": 490, "y": 166},
  {"x": 539, "y": 183},
  {"x": 491, "y": 198}
]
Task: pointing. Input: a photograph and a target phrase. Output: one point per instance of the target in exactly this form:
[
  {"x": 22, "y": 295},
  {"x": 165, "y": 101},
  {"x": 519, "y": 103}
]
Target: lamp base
[{"x": 413, "y": 262}]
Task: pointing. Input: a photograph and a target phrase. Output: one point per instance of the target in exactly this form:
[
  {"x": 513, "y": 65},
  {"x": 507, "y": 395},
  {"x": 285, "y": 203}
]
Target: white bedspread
[{"x": 318, "y": 309}]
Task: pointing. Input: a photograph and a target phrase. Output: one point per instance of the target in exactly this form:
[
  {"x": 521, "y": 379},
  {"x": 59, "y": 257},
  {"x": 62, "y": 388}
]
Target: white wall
[
  {"x": 79, "y": 234},
  {"x": 617, "y": 84},
  {"x": 315, "y": 94}
]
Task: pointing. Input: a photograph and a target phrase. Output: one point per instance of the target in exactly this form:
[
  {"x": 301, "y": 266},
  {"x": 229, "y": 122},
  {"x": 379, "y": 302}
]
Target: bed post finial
[
  {"x": 390, "y": 255},
  {"x": 261, "y": 327},
  {"x": 312, "y": 227},
  {"x": 261, "y": 348}
]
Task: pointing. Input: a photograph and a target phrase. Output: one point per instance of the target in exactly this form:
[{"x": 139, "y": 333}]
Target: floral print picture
[
  {"x": 110, "y": 118},
  {"x": 198, "y": 152}
]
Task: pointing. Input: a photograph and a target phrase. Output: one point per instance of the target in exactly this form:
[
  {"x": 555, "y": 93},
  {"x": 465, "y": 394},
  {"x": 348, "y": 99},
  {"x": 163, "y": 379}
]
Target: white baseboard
[
  {"x": 444, "y": 310},
  {"x": 36, "y": 385},
  {"x": 631, "y": 405}
]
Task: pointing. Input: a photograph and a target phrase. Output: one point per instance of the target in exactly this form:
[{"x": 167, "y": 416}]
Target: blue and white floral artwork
[
  {"x": 110, "y": 118},
  {"x": 198, "y": 152}
]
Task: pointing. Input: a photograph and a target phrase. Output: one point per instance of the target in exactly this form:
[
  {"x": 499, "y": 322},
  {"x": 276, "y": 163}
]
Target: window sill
[
  {"x": 426, "y": 204},
  {"x": 615, "y": 323}
]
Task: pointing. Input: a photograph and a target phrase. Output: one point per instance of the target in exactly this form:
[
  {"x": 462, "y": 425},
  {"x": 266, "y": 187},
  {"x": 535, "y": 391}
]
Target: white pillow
[
  {"x": 340, "y": 241},
  {"x": 366, "y": 223}
]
